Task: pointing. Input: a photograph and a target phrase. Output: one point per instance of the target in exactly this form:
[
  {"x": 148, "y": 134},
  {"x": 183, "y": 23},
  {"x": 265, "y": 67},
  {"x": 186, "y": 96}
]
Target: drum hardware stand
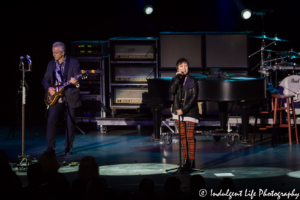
[
  {"x": 262, "y": 63},
  {"x": 274, "y": 68},
  {"x": 25, "y": 159},
  {"x": 270, "y": 64}
]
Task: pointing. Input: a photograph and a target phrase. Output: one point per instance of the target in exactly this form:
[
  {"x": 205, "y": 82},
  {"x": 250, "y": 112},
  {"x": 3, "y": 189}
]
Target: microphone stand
[
  {"x": 180, "y": 160},
  {"x": 180, "y": 168},
  {"x": 25, "y": 159},
  {"x": 18, "y": 120}
]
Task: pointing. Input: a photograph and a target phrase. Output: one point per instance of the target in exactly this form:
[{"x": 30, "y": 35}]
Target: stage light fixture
[
  {"x": 148, "y": 10},
  {"x": 246, "y": 14}
]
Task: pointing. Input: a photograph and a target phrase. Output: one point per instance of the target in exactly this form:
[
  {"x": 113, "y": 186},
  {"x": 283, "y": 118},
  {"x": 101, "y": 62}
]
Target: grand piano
[{"x": 242, "y": 90}]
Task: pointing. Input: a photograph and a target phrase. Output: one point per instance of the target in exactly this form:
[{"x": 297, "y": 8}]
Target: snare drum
[{"x": 291, "y": 86}]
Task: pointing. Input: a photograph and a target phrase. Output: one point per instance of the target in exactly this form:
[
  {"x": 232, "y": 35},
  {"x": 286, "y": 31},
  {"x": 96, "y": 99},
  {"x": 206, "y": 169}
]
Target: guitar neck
[{"x": 69, "y": 82}]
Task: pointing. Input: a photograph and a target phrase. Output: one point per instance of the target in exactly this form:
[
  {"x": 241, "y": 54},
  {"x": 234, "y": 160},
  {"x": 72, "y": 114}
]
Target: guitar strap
[
  {"x": 66, "y": 68},
  {"x": 59, "y": 73}
]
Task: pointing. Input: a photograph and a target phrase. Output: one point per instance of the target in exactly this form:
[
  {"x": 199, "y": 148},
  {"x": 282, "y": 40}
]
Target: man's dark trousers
[{"x": 53, "y": 115}]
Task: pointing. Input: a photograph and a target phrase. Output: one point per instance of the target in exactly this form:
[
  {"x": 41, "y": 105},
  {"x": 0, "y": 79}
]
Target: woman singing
[{"x": 184, "y": 88}]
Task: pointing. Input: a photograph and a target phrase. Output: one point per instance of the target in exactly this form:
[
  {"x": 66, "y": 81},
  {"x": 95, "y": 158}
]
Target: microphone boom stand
[
  {"x": 180, "y": 162},
  {"x": 180, "y": 168},
  {"x": 25, "y": 159}
]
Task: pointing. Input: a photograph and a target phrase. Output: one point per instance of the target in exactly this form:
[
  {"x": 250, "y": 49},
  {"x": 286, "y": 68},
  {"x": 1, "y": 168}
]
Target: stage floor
[{"x": 126, "y": 155}]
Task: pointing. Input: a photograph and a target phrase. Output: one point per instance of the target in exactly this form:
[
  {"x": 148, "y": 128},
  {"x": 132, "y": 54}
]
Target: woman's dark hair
[
  {"x": 180, "y": 61},
  {"x": 49, "y": 162},
  {"x": 88, "y": 168}
]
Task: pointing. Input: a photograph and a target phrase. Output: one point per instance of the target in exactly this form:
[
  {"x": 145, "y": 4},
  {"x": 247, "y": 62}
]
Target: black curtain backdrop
[{"x": 30, "y": 28}]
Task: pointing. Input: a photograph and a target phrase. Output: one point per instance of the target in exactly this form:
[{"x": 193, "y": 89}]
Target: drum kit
[{"x": 280, "y": 61}]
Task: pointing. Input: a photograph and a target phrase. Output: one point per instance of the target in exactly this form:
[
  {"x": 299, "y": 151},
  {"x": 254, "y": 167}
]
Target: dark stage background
[{"x": 30, "y": 28}]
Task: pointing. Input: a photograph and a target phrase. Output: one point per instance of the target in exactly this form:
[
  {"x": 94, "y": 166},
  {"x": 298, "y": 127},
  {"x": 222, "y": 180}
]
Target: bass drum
[{"x": 291, "y": 86}]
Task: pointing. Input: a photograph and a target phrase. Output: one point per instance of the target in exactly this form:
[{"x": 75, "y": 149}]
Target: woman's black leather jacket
[{"x": 189, "y": 104}]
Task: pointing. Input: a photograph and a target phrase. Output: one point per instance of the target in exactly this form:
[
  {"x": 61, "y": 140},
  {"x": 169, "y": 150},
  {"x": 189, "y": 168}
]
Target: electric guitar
[{"x": 50, "y": 100}]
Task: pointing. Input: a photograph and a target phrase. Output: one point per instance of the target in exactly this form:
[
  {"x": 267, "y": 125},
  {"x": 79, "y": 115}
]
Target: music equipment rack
[{"x": 92, "y": 56}]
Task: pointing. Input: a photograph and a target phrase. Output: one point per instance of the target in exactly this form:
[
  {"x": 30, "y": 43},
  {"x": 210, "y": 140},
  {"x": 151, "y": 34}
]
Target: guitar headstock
[{"x": 84, "y": 74}]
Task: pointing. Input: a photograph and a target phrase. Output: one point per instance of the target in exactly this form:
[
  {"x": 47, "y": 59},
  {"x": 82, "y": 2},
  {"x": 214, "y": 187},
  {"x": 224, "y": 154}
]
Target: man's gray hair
[{"x": 62, "y": 45}]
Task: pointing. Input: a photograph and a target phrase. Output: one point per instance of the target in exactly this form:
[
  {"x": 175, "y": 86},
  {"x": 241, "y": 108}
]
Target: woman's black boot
[
  {"x": 186, "y": 165},
  {"x": 192, "y": 163}
]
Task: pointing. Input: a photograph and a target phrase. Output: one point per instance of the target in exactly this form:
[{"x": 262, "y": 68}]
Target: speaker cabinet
[
  {"x": 226, "y": 50},
  {"x": 177, "y": 45}
]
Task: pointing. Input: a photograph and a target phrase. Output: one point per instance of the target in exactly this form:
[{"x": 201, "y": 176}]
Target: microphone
[
  {"x": 21, "y": 59},
  {"x": 180, "y": 75},
  {"x": 29, "y": 60}
]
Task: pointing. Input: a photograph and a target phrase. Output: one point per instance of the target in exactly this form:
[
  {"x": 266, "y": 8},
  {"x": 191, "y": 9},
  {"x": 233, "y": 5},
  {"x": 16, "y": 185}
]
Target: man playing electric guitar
[{"x": 60, "y": 70}]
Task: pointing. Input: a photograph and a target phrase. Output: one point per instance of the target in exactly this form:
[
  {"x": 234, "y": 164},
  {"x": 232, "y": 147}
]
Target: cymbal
[
  {"x": 287, "y": 53},
  {"x": 278, "y": 39},
  {"x": 263, "y": 36},
  {"x": 295, "y": 57}
]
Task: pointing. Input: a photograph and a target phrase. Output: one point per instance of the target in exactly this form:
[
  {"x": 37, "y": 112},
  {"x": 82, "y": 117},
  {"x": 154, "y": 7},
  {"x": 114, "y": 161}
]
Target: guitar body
[{"x": 51, "y": 100}]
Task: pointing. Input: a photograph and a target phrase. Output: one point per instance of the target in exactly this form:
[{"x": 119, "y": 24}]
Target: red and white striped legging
[{"x": 187, "y": 137}]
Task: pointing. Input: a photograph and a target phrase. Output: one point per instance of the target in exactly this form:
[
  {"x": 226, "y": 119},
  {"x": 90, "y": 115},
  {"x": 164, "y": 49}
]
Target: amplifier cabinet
[
  {"x": 133, "y": 48},
  {"x": 135, "y": 73},
  {"x": 89, "y": 48},
  {"x": 127, "y": 97}
]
